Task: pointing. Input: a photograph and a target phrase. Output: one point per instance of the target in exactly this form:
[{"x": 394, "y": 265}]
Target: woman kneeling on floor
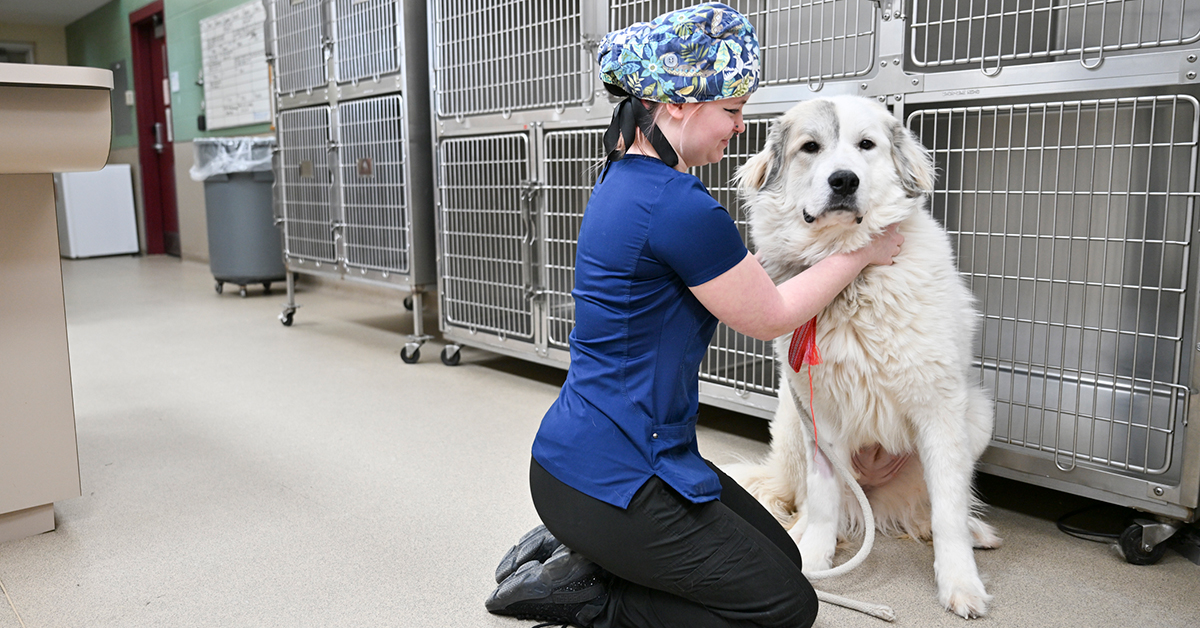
[{"x": 639, "y": 530}]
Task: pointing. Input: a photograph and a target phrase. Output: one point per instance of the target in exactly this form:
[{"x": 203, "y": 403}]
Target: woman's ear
[{"x": 678, "y": 111}]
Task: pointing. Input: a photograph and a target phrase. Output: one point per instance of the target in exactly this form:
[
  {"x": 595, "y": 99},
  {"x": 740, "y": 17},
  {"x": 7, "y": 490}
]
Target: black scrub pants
[{"x": 682, "y": 565}]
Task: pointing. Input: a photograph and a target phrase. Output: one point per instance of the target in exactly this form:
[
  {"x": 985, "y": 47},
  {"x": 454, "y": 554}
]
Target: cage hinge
[
  {"x": 889, "y": 9},
  {"x": 1189, "y": 72},
  {"x": 593, "y": 25}
]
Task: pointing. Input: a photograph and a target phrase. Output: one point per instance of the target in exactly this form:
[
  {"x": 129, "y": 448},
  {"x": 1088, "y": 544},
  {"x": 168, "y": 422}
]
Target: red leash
[{"x": 804, "y": 349}]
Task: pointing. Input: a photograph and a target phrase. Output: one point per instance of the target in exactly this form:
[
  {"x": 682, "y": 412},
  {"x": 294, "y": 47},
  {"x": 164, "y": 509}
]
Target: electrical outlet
[{"x": 129, "y": 98}]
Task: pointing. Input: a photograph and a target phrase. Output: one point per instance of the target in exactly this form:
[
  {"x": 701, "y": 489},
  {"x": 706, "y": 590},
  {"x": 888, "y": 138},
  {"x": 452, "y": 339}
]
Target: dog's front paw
[
  {"x": 816, "y": 552},
  {"x": 964, "y": 597}
]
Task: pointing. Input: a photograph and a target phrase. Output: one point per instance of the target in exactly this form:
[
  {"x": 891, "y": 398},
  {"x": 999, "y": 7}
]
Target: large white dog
[{"x": 894, "y": 395}]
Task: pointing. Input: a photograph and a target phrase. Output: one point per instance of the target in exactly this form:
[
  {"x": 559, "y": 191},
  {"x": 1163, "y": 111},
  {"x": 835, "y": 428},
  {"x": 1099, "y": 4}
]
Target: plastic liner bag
[{"x": 227, "y": 155}]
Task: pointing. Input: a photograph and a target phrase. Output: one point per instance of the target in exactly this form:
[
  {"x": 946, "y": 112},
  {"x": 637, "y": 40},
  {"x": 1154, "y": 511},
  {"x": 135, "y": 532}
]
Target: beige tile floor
[{"x": 239, "y": 473}]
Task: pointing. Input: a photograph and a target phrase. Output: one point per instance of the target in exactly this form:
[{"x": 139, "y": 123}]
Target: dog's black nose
[{"x": 843, "y": 182}]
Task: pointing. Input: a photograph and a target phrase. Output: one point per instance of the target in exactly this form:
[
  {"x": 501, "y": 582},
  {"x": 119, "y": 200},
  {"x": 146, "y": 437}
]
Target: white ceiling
[{"x": 47, "y": 12}]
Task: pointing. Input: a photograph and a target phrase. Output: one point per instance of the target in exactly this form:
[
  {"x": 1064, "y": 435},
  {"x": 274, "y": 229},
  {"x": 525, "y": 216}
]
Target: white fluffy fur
[{"x": 895, "y": 346}]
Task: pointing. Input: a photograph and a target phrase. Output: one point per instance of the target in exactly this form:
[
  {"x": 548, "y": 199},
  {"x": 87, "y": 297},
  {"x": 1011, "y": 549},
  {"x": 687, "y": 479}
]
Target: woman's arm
[{"x": 745, "y": 298}]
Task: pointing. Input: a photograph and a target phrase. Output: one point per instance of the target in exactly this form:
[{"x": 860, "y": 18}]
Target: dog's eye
[
  {"x": 866, "y": 145},
  {"x": 810, "y": 147}
]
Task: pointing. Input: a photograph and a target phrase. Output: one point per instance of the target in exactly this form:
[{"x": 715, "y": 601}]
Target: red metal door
[{"x": 151, "y": 86}]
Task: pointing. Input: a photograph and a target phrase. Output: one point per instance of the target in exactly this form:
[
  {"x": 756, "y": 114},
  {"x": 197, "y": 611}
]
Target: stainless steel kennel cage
[
  {"x": 1065, "y": 135},
  {"x": 518, "y": 113},
  {"x": 354, "y": 158}
]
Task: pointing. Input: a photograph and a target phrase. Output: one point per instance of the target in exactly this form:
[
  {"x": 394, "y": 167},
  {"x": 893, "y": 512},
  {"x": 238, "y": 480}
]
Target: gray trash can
[{"x": 243, "y": 241}]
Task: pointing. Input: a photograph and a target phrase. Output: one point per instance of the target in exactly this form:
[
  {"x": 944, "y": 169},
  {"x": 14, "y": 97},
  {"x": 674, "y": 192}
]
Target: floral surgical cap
[{"x": 702, "y": 53}]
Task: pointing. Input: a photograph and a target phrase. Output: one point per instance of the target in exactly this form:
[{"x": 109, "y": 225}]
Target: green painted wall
[
  {"x": 183, "y": 47},
  {"x": 101, "y": 38}
]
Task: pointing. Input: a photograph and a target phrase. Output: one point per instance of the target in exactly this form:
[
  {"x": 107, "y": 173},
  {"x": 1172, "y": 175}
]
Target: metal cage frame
[
  {"x": 366, "y": 39},
  {"x": 1068, "y": 185},
  {"x": 486, "y": 282},
  {"x": 296, "y": 44},
  {"x": 351, "y": 197},
  {"x": 1111, "y": 414},
  {"x": 1074, "y": 220}
]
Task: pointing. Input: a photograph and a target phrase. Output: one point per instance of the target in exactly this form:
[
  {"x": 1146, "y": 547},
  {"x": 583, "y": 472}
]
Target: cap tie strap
[{"x": 629, "y": 114}]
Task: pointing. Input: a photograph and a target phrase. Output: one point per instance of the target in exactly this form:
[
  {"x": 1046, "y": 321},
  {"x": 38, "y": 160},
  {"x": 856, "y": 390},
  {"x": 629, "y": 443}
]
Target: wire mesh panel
[
  {"x": 495, "y": 56},
  {"x": 1073, "y": 221},
  {"x": 486, "y": 264},
  {"x": 306, "y": 182},
  {"x": 733, "y": 359},
  {"x": 992, "y": 33},
  {"x": 366, "y": 41},
  {"x": 300, "y": 53},
  {"x": 802, "y": 40},
  {"x": 572, "y": 161},
  {"x": 374, "y": 184}
]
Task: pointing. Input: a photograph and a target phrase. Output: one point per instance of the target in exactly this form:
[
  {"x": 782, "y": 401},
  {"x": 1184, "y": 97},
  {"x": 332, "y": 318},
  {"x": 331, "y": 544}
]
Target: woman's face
[{"x": 706, "y": 129}]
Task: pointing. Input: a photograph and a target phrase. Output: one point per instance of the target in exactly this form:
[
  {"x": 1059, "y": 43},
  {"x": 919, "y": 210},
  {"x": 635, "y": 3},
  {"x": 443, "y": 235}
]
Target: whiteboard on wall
[{"x": 236, "y": 85}]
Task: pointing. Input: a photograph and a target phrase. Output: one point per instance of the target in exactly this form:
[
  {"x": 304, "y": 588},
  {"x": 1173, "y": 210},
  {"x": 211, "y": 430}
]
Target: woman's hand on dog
[{"x": 883, "y": 247}]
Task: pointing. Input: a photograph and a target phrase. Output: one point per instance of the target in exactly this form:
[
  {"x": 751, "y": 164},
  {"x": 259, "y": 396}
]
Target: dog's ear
[
  {"x": 763, "y": 169},
  {"x": 752, "y": 176},
  {"x": 913, "y": 161}
]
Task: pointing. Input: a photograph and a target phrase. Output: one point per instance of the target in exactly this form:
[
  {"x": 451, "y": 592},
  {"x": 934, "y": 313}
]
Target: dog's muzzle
[{"x": 842, "y": 186}]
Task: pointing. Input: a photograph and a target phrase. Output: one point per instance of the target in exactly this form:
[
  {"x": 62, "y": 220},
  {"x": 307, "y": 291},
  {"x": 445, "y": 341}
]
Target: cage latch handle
[{"x": 530, "y": 189}]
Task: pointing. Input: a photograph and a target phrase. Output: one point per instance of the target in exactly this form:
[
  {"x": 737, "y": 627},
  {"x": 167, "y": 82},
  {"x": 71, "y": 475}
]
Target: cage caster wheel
[
  {"x": 408, "y": 303},
  {"x": 451, "y": 355},
  {"x": 242, "y": 292},
  {"x": 410, "y": 358},
  {"x": 1136, "y": 550},
  {"x": 266, "y": 287},
  {"x": 220, "y": 287},
  {"x": 286, "y": 317}
]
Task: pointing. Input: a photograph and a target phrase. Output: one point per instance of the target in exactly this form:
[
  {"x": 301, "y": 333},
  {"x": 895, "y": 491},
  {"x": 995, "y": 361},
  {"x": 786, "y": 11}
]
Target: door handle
[{"x": 158, "y": 139}]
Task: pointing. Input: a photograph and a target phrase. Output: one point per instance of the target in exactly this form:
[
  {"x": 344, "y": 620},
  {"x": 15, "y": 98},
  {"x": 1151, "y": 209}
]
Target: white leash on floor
[
  {"x": 11, "y": 605},
  {"x": 875, "y": 610}
]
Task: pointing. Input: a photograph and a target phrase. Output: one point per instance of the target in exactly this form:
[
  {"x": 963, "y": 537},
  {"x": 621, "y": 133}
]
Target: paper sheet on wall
[{"x": 236, "y": 85}]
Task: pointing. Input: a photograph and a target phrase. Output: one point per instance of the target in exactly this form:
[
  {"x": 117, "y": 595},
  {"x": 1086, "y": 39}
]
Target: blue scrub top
[{"x": 628, "y": 408}]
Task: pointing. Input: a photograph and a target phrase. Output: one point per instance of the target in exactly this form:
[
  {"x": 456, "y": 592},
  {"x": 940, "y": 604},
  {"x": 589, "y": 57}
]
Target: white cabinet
[{"x": 95, "y": 212}]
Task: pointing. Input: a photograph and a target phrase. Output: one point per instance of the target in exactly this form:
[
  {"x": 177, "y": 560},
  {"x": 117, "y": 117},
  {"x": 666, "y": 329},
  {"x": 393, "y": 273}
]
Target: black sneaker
[
  {"x": 537, "y": 544},
  {"x": 566, "y": 588}
]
